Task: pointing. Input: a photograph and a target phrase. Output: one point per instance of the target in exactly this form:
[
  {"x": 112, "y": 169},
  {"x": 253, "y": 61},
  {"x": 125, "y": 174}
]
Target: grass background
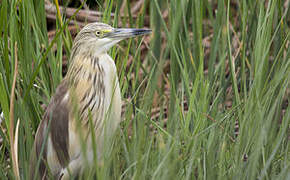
[{"x": 206, "y": 95}]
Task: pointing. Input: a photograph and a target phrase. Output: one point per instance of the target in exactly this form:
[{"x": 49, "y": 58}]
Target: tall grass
[{"x": 241, "y": 79}]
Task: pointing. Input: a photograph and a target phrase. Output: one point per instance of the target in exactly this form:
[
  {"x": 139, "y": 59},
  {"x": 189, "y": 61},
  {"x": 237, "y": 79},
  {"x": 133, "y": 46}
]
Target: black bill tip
[{"x": 122, "y": 33}]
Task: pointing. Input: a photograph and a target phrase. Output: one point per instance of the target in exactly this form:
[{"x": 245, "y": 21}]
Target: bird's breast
[{"x": 113, "y": 101}]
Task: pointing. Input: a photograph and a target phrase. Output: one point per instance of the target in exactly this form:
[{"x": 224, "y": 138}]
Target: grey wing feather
[{"x": 57, "y": 117}]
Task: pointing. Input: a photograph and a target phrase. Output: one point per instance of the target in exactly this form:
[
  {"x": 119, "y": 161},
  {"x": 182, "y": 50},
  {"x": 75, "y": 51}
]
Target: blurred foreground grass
[{"x": 206, "y": 97}]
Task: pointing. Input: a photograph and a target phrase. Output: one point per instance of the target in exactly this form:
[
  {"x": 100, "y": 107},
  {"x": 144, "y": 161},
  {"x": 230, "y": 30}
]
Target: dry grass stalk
[{"x": 13, "y": 143}]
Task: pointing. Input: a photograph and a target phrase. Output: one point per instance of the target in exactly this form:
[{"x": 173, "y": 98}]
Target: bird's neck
[
  {"x": 87, "y": 50},
  {"x": 86, "y": 81},
  {"x": 84, "y": 68}
]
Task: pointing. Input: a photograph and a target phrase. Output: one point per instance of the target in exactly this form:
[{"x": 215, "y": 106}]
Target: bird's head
[{"x": 100, "y": 37}]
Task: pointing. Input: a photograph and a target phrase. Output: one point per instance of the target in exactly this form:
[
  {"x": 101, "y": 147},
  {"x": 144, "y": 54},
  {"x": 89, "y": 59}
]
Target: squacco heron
[{"x": 89, "y": 93}]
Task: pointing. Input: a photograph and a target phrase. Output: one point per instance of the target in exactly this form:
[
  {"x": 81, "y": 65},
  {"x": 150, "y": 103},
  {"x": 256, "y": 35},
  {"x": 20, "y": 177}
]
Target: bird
[{"x": 88, "y": 100}]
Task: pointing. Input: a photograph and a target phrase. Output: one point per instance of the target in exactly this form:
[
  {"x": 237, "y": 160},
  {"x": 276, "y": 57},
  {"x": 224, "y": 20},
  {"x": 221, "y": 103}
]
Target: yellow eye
[{"x": 98, "y": 33}]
